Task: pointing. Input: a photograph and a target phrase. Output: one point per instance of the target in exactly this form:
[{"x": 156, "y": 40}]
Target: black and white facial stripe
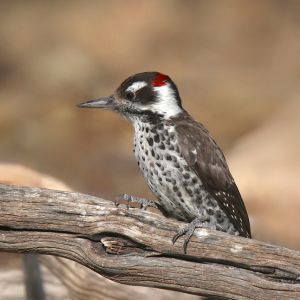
[{"x": 146, "y": 96}]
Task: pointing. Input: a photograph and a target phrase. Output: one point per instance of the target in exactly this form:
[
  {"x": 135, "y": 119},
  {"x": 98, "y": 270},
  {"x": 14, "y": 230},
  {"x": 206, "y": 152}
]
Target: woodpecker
[{"x": 182, "y": 164}]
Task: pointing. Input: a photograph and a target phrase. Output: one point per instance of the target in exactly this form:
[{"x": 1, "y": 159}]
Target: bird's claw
[
  {"x": 144, "y": 203},
  {"x": 188, "y": 231},
  {"x": 118, "y": 200}
]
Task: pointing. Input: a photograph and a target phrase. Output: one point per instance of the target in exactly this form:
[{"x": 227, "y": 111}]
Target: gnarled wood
[
  {"x": 134, "y": 247},
  {"x": 83, "y": 284},
  {"x": 67, "y": 279}
]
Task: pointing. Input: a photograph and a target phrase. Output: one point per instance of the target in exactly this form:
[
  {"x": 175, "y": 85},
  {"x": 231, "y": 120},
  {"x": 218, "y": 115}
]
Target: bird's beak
[{"x": 105, "y": 102}]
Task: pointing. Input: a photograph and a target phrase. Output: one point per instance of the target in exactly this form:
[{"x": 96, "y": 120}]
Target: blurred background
[
  {"x": 237, "y": 67},
  {"x": 236, "y": 64}
]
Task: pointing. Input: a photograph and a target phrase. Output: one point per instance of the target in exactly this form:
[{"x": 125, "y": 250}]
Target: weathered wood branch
[
  {"x": 82, "y": 284},
  {"x": 134, "y": 246}
]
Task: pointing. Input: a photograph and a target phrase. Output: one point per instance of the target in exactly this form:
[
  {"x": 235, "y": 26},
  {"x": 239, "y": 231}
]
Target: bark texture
[{"x": 134, "y": 247}]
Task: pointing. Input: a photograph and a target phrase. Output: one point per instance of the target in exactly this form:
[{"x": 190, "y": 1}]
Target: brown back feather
[{"x": 207, "y": 160}]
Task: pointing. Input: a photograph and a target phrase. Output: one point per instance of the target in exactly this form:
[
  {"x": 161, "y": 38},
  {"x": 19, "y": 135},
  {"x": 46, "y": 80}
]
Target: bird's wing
[{"x": 207, "y": 160}]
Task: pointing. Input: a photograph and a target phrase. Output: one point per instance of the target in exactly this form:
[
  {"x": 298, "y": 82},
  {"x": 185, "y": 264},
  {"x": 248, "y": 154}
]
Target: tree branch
[{"x": 134, "y": 246}]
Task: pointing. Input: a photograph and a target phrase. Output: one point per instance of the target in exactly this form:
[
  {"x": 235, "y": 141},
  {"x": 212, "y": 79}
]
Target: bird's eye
[{"x": 130, "y": 95}]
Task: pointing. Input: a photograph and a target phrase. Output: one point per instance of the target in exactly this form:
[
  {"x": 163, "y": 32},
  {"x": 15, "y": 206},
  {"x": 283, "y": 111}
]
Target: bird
[{"x": 181, "y": 162}]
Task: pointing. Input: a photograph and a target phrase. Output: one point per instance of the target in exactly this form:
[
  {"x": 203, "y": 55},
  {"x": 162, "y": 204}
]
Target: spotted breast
[{"x": 179, "y": 190}]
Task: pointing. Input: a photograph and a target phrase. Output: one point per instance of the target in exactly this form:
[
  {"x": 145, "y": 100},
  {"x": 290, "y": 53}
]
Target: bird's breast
[{"x": 165, "y": 170}]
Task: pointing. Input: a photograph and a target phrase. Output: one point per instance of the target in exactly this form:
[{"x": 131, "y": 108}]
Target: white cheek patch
[
  {"x": 136, "y": 86},
  {"x": 166, "y": 103}
]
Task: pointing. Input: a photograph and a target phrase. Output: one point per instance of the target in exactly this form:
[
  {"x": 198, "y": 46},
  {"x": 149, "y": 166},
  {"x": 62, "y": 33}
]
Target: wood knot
[{"x": 120, "y": 246}]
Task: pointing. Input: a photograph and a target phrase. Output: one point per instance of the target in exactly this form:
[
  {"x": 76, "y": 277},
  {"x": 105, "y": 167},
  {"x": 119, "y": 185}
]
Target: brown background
[{"x": 236, "y": 64}]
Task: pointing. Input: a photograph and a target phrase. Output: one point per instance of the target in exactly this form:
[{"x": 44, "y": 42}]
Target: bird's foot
[
  {"x": 189, "y": 229},
  {"x": 144, "y": 203}
]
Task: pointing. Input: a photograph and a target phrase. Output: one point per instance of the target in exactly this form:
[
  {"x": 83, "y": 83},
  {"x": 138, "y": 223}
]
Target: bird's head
[{"x": 148, "y": 94}]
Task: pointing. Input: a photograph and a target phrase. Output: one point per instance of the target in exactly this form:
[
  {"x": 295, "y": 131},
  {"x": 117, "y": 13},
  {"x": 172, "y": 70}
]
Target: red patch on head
[{"x": 160, "y": 80}]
